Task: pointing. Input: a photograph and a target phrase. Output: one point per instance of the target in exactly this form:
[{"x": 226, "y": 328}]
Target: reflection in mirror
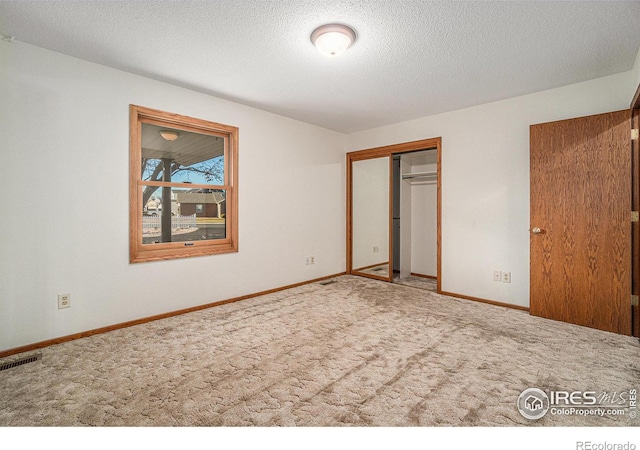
[{"x": 370, "y": 217}]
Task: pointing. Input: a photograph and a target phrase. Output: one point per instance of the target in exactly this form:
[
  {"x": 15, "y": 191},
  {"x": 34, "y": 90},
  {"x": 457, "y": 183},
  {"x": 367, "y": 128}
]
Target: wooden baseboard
[
  {"x": 71, "y": 337},
  {"x": 483, "y": 300}
]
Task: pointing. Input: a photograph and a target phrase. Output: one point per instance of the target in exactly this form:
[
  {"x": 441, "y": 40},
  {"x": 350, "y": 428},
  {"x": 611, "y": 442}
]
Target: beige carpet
[
  {"x": 356, "y": 352},
  {"x": 430, "y": 284}
]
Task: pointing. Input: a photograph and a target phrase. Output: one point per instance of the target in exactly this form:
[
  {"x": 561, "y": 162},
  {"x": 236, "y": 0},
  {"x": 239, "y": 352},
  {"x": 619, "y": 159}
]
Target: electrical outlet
[
  {"x": 376, "y": 249},
  {"x": 497, "y": 275},
  {"x": 64, "y": 301},
  {"x": 312, "y": 260},
  {"x": 506, "y": 277}
]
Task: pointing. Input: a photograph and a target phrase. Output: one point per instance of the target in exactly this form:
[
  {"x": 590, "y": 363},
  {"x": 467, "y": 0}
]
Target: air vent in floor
[
  {"x": 19, "y": 362},
  {"x": 324, "y": 283}
]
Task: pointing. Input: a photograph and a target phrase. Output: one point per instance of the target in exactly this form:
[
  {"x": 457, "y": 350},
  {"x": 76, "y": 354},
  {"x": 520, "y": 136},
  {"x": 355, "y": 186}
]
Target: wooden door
[{"x": 580, "y": 221}]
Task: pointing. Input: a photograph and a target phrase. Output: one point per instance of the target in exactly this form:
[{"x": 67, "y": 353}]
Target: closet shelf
[{"x": 419, "y": 175}]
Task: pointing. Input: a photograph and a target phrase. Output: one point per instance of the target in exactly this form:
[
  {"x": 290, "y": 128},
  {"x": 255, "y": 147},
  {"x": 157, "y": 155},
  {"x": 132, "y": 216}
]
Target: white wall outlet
[
  {"x": 497, "y": 275},
  {"x": 376, "y": 249},
  {"x": 64, "y": 301},
  {"x": 506, "y": 277}
]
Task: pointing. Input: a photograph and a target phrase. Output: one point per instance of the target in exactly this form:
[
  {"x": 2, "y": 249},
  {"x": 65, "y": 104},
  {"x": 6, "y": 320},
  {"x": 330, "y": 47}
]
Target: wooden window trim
[{"x": 139, "y": 252}]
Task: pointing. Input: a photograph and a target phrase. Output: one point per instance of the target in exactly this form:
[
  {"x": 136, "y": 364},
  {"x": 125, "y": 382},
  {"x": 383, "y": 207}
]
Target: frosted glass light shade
[{"x": 333, "y": 39}]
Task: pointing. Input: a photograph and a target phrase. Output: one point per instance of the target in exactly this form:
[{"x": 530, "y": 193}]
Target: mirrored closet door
[
  {"x": 393, "y": 209},
  {"x": 370, "y": 217}
]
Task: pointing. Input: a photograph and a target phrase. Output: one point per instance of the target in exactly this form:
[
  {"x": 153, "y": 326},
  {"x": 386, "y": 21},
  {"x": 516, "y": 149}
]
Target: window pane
[
  {"x": 196, "y": 215},
  {"x": 188, "y": 158}
]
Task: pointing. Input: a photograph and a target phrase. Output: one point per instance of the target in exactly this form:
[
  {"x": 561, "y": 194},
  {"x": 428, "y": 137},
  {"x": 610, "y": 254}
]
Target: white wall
[
  {"x": 485, "y": 179},
  {"x": 65, "y": 200}
]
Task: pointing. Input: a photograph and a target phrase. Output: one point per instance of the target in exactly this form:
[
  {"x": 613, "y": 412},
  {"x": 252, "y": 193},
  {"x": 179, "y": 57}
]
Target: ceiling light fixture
[
  {"x": 169, "y": 135},
  {"x": 333, "y": 39}
]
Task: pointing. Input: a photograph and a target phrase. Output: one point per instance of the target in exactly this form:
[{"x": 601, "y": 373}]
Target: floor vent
[
  {"x": 324, "y": 283},
  {"x": 19, "y": 362}
]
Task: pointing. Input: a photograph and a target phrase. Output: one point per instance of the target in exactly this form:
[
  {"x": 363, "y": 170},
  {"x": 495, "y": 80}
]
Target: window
[{"x": 183, "y": 186}]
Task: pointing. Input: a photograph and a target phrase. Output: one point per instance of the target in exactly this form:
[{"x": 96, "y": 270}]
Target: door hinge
[
  {"x": 634, "y": 300},
  {"x": 635, "y": 216},
  {"x": 634, "y": 133}
]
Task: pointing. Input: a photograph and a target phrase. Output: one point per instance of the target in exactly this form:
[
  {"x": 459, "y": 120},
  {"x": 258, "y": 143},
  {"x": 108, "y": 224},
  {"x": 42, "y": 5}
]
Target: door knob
[{"x": 536, "y": 230}]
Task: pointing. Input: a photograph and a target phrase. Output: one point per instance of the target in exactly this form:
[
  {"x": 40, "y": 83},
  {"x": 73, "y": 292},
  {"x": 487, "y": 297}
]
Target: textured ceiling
[{"x": 411, "y": 58}]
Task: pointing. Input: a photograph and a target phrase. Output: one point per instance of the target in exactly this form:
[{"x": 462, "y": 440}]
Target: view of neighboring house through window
[{"x": 183, "y": 182}]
